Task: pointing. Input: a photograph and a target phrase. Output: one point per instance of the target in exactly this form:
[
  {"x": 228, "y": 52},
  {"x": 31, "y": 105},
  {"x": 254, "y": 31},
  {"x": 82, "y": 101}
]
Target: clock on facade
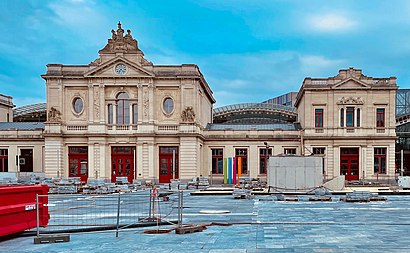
[{"x": 120, "y": 69}]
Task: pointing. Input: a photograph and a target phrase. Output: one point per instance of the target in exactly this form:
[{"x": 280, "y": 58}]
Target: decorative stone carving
[
  {"x": 54, "y": 114},
  {"x": 146, "y": 104},
  {"x": 188, "y": 115},
  {"x": 120, "y": 43},
  {"x": 97, "y": 103},
  {"x": 350, "y": 100}
]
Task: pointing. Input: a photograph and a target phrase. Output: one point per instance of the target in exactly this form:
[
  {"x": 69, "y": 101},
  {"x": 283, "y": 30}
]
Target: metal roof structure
[
  {"x": 254, "y": 113},
  {"x": 4, "y": 126},
  {"x": 29, "y": 113},
  {"x": 278, "y": 126}
]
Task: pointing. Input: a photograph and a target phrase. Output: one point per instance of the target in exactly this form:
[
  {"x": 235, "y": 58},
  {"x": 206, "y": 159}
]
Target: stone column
[{"x": 114, "y": 113}]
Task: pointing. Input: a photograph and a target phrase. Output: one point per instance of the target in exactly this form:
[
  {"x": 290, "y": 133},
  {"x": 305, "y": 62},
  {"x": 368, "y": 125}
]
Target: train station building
[{"x": 123, "y": 116}]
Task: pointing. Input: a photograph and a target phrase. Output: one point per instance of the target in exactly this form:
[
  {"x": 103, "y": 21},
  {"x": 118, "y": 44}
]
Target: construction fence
[{"x": 79, "y": 213}]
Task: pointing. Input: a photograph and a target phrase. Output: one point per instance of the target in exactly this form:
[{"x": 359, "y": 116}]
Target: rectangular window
[
  {"x": 319, "y": 151},
  {"x": 289, "y": 151},
  {"x": 8, "y": 117},
  {"x": 217, "y": 160},
  {"x": 264, "y": 154},
  {"x": 380, "y": 117},
  {"x": 135, "y": 114},
  {"x": 380, "y": 160},
  {"x": 358, "y": 117},
  {"x": 4, "y": 160},
  {"x": 350, "y": 117},
  {"x": 110, "y": 114},
  {"x": 318, "y": 118},
  {"x": 243, "y": 153},
  {"x": 342, "y": 117}
]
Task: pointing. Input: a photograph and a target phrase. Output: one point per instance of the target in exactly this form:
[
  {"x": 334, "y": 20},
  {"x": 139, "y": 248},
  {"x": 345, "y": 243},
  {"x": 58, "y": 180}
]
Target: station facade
[{"x": 123, "y": 116}]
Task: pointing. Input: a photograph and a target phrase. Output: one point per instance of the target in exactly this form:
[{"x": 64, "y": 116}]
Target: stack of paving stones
[
  {"x": 198, "y": 183},
  {"x": 65, "y": 186},
  {"x": 136, "y": 185},
  {"x": 35, "y": 178},
  {"x": 94, "y": 185},
  {"x": 174, "y": 185},
  {"x": 203, "y": 182},
  {"x": 357, "y": 196},
  {"x": 241, "y": 193},
  {"x": 8, "y": 180}
]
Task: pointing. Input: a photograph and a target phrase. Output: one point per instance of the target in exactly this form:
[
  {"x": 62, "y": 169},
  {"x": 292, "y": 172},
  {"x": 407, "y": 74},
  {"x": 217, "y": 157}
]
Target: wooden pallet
[
  {"x": 190, "y": 229},
  {"x": 51, "y": 239}
]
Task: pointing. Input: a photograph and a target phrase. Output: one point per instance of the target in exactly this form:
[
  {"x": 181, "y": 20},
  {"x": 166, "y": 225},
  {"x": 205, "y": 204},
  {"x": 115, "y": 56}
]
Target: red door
[
  {"x": 122, "y": 163},
  {"x": 168, "y": 164},
  {"x": 78, "y": 167},
  {"x": 349, "y": 163},
  {"x": 78, "y": 162}
]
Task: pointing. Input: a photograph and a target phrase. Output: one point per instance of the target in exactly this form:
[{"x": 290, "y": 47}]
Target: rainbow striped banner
[
  {"x": 239, "y": 168},
  {"x": 225, "y": 171},
  {"x": 234, "y": 169},
  {"x": 230, "y": 170}
]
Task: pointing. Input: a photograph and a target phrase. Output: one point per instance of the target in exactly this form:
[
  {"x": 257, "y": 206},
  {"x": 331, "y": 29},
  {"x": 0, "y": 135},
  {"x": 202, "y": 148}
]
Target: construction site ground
[{"x": 256, "y": 224}]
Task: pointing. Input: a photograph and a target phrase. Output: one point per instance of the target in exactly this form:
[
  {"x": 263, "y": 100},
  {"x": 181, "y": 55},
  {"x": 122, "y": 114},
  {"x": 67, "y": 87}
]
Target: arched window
[{"x": 123, "y": 109}]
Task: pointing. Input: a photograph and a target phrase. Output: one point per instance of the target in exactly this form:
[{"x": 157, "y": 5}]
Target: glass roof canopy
[
  {"x": 28, "y": 109},
  {"x": 254, "y": 113},
  {"x": 256, "y": 106}
]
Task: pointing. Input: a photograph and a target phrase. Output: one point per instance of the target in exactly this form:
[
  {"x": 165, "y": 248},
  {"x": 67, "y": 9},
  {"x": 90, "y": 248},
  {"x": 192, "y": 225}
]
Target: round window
[
  {"x": 78, "y": 105},
  {"x": 168, "y": 105}
]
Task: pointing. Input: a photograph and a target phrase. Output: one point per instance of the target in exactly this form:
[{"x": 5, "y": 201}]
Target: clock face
[{"x": 120, "y": 69}]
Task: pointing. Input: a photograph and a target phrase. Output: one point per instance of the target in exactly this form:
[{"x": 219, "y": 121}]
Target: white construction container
[
  {"x": 404, "y": 182},
  {"x": 295, "y": 172}
]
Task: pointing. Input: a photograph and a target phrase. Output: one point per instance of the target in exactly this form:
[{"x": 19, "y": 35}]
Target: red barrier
[{"x": 18, "y": 208}]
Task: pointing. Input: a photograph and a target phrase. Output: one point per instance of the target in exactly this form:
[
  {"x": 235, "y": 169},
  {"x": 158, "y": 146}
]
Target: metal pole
[
  {"x": 118, "y": 214},
  {"x": 180, "y": 207},
  {"x": 135, "y": 163},
  {"x": 38, "y": 216},
  {"x": 150, "y": 203},
  {"x": 173, "y": 164},
  {"x": 401, "y": 162}
]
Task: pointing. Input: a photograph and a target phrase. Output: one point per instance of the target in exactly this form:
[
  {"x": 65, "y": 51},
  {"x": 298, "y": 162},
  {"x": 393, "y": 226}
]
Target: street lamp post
[{"x": 266, "y": 156}]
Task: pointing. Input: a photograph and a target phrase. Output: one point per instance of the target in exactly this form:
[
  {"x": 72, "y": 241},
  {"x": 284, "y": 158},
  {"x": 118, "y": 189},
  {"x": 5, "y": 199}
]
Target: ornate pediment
[
  {"x": 120, "y": 43},
  {"x": 351, "y": 83},
  {"x": 350, "y": 101},
  {"x": 108, "y": 69}
]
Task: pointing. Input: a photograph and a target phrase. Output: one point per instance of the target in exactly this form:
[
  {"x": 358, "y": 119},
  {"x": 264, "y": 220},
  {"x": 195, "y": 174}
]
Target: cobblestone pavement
[{"x": 259, "y": 225}]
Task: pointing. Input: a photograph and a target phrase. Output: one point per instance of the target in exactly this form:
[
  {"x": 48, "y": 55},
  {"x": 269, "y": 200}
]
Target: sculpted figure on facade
[
  {"x": 54, "y": 114},
  {"x": 350, "y": 100},
  {"x": 188, "y": 115},
  {"x": 121, "y": 43}
]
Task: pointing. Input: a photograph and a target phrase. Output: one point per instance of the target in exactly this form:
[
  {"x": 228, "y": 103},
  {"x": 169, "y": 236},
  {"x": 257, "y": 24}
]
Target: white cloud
[
  {"x": 312, "y": 65},
  {"x": 331, "y": 22},
  {"x": 82, "y": 17}
]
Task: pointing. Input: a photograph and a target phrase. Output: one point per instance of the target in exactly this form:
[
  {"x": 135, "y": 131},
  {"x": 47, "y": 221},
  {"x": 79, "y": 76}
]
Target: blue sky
[{"x": 249, "y": 51}]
